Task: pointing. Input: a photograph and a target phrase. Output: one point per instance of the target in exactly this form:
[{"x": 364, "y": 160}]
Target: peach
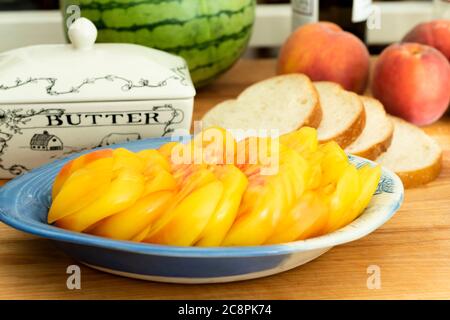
[
  {"x": 413, "y": 82},
  {"x": 323, "y": 51},
  {"x": 434, "y": 33}
]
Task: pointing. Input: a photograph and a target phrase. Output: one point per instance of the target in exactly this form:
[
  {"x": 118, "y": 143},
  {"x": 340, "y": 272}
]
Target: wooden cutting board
[{"x": 412, "y": 250}]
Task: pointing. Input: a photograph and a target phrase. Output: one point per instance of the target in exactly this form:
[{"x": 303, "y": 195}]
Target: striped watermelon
[{"x": 210, "y": 34}]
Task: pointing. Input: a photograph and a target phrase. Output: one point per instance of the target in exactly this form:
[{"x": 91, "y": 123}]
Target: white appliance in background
[
  {"x": 441, "y": 9},
  {"x": 273, "y": 24}
]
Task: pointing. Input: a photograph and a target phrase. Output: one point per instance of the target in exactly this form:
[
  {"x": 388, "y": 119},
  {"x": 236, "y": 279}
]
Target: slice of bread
[
  {"x": 343, "y": 117},
  {"x": 377, "y": 134},
  {"x": 414, "y": 156},
  {"x": 285, "y": 103}
]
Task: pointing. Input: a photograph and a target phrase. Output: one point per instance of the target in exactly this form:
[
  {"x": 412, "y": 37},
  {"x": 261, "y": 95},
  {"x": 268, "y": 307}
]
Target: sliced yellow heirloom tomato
[
  {"x": 166, "y": 149},
  {"x": 123, "y": 192},
  {"x": 289, "y": 188},
  {"x": 369, "y": 177},
  {"x": 297, "y": 170},
  {"x": 343, "y": 198},
  {"x": 192, "y": 178},
  {"x": 128, "y": 223},
  {"x": 303, "y": 141},
  {"x": 256, "y": 225},
  {"x": 188, "y": 219},
  {"x": 161, "y": 180},
  {"x": 333, "y": 163},
  {"x": 81, "y": 188},
  {"x": 76, "y": 164},
  {"x": 254, "y": 189},
  {"x": 211, "y": 146},
  {"x": 292, "y": 172},
  {"x": 124, "y": 158},
  {"x": 196, "y": 177},
  {"x": 214, "y": 145},
  {"x": 260, "y": 151},
  {"x": 306, "y": 217},
  {"x": 314, "y": 174},
  {"x": 153, "y": 158},
  {"x": 323, "y": 212},
  {"x": 235, "y": 183},
  {"x": 259, "y": 159},
  {"x": 141, "y": 235}
]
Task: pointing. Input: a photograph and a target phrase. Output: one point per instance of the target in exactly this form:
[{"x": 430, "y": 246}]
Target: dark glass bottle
[{"x": 350, "y": 15}]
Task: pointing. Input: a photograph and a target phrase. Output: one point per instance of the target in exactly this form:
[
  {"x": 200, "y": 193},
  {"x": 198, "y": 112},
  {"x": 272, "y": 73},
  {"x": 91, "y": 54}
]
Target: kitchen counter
[{"x": 412, "y": 250}]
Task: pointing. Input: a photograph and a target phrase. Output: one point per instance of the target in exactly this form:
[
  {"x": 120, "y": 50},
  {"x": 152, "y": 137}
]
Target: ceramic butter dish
[{"x": 59, "y": 99}]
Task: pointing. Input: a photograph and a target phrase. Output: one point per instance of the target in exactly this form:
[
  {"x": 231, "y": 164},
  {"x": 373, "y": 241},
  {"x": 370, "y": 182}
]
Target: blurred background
[
  {"x": 28, "y": 22},
  {"x": 53, "y": 4},
  {"x": 28, "y": 4}
]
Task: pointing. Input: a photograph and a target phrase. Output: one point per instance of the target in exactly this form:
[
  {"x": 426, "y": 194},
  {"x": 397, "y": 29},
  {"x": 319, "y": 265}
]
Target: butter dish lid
[{"x": 84, "y": 71}]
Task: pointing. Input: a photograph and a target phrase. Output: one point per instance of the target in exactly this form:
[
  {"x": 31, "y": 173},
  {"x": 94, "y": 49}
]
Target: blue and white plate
[{"x": 24, "y": 203}]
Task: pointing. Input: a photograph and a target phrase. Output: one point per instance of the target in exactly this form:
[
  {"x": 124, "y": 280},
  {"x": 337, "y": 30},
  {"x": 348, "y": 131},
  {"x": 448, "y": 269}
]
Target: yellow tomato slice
[
  {"x": 124, "y": 158},
  {"x": 153, "y": 158},
  {"x": 160, "y": 181},
  {"x": 188, "y": 220},
  {"x": 193, "y": 180},
  {"x": 216, "y": 146},
  {"x": 343, "y": 198},
  {"x": 306, "y": 217},
  {"x": 314, "y": 174},
  {"x": 369, "y": 177},
  {"x": 297, "y": 169},
  {"x": 76, "y": 164},
  {"x": 260, "y": 151},
  {"x": 81, "y": 188},
  {"x": 252, "y": 194},
  {"x": 256, "y": 225},
  {"x": 123, "y": 192},
  {"x": 333, "y": 163},
  {"x": 303, "y": 141},
  {"x": 291, "y": 171},
  {"x": 128, "y": 223},
  {"x": 197, "y": 179},
  {"x": 166, "y": 149},
  {"x": 141, "y": 235},
  {"x": 235, "y": 183}
]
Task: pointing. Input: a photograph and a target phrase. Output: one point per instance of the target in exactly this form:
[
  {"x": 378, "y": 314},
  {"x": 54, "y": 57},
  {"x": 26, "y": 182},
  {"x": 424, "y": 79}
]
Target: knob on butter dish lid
[{"x": 84, "y": 71}]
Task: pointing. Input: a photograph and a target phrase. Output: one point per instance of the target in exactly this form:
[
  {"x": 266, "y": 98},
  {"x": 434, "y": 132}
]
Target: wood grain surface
[{"x": 412, "y": 249}]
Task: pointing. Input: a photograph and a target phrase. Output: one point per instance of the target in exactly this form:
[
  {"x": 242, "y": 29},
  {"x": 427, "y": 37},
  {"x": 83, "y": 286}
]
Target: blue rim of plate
[{"x": 355, "y": 230}]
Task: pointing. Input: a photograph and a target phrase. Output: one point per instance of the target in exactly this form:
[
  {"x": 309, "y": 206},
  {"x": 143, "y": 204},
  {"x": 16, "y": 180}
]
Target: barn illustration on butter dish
[{"x": 46, "y": 142}]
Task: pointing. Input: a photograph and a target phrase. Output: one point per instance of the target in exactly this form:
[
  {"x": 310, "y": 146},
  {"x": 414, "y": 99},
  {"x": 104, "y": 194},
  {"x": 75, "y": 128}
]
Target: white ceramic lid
[{"x": 84, "y": 71}]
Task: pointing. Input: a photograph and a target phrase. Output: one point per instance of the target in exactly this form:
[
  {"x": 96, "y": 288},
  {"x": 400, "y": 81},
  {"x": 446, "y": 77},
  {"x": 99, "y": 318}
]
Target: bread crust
[
  {"x": 377, "y": 149},
  {"x": 316, "y": 115},
  {"x": 347, "y": 137},
  {"x": 372, "y": 152},
  {"x": 351, "y": 133},
  {"x": 315, "y": 118},
  {"x": 416, "y": 178}
]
